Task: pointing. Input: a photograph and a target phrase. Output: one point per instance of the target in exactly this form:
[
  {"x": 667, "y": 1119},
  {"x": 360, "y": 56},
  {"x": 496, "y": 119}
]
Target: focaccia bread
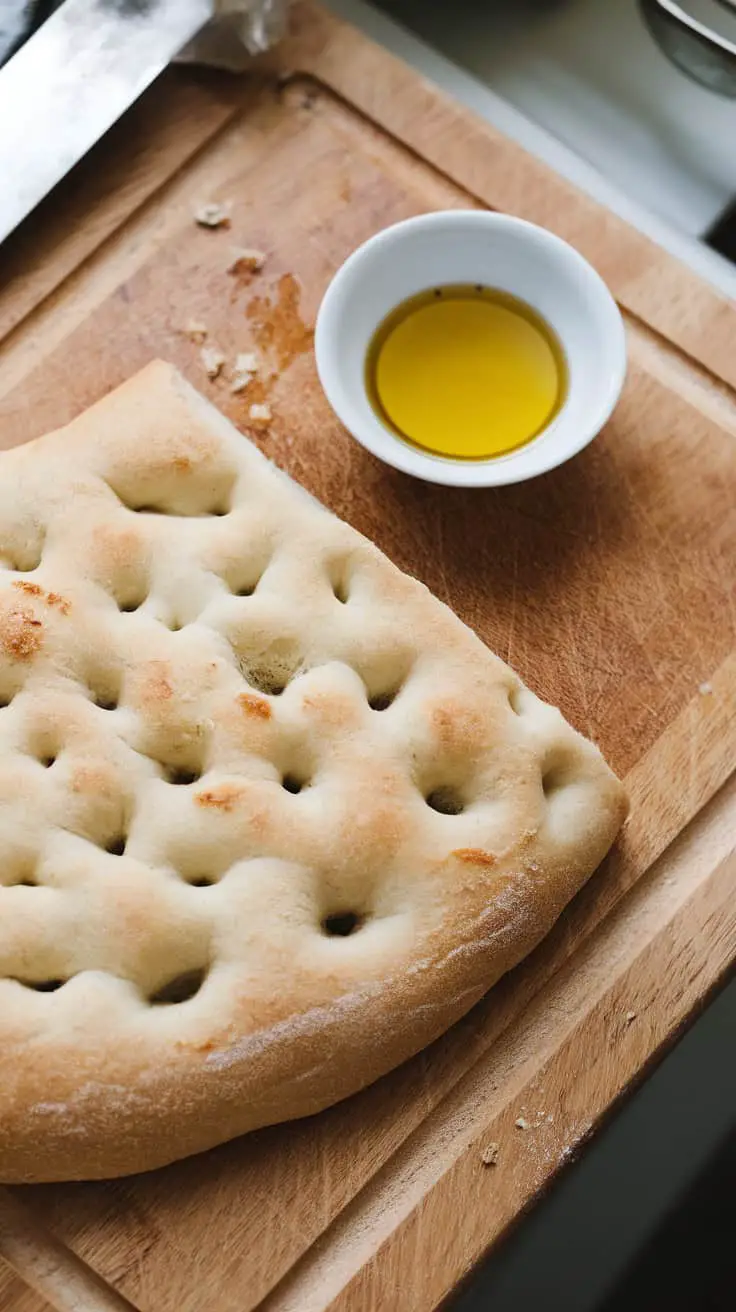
[{"x": 271, "y": 816}]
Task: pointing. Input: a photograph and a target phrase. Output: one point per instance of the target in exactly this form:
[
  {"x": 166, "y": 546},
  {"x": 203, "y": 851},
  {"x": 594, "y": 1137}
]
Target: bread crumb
[
  {"x": 195, "y": 330},
  {"x": 244, "y": 371},
  {"x": 521, "y": 1123},
  {"x": 243, "y": 259},
  {"x": 630, "y": 1015},
  {"x": 260, "y": 414},
  {"x": 213, "y": 215},
  {"x": 705, "y": 689},
  {"x": 246, "y": 363},
  {"x": 212, "y": 361},
  {"x": 489, "y": 1154}
]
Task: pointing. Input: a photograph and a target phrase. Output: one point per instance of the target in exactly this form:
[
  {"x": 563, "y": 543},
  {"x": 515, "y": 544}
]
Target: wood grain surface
[
  {"x": 609, "y": 585},
  {"x": 48, "y": 1266}
]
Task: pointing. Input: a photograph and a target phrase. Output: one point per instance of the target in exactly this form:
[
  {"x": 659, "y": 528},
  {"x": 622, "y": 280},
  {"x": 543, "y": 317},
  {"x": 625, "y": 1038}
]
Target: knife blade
[{"x": 73, "y": 79}]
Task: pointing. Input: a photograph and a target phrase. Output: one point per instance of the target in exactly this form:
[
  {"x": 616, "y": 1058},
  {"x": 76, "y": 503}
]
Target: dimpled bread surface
[{"x": 271, "y": 816}]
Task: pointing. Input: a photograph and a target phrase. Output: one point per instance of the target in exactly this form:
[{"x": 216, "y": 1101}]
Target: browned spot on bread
[
  {"x": 444, "y": 724},
  {"x": 475, "y": 856},
  {"x": 92, "y": 781},
  {"x": 223, "y": 798},
  {"x": 182, "y": 464},
  {"x": 205, "y": 1045},
  {"x": 458, "y": 727},
  {"x": 253, "y": 705},
  {"x": 35, "y": 590},
  {"x": 157, "y": 687},
  {"x": 21, "y": 634},
  {"x": 115, "y": 547}
]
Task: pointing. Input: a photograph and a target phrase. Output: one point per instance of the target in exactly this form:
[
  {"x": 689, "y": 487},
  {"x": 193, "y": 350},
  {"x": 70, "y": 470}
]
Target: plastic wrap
[{"x": 239, "y": 30}]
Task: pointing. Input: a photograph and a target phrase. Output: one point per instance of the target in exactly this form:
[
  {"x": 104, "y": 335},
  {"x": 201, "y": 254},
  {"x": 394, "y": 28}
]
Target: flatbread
[{"x": 271, "y": 816}]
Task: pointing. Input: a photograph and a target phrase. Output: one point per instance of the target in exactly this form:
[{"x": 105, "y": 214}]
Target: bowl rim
[{"x": 447, "y": 470}]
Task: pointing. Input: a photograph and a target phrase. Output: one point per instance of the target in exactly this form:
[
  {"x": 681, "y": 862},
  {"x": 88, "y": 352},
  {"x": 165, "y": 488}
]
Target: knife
[{"x": 73, "y": 79}]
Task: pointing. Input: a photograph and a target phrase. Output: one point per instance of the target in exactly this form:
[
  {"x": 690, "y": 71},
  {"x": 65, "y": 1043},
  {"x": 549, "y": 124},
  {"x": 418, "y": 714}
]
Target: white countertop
[{"x": 619, "y": 121}]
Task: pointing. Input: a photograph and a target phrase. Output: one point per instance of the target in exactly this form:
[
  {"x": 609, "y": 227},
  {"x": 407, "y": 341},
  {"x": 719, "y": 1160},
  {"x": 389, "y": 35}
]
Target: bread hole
[
  {"x": 338, "y": 572},
  {"x": 42, "y": 985},
  {"x": 12, "y": 680},
  {"x": 129, "y": 590},
  {"x": 559, "y": 768},
  {"x": 182, "y": 988},
  {"x": 516, "y": 697},
  {"x": 105, "y": 703},
  {"x": 268, "y": 666},
  {"x": 19, "y": 869},
  {"x": 201, "y": 881},
  {"x": 104, "y": 687},
  {"x": 117, "y": 845},
  {"x": 266, "y": 680},
  {"x": 446, "y": 800},
  {"x": 213, "y": 510},
  {"x": 271, "y": 677},
  {"x": 191, "y": 481},
  {"x": 173, "y": 619},
  {"x": 381, "y": 701},
  {"x": 23, "y": 557},
  {"x": 341, "y": 924},
  {"x": 553, "y": 780},
  {"x": 19, "y": 879},
  {"x": 242, "y": 576},
  {"x": 293, "y": 783},
  {"x": 130, "y": 604},
  {"x": 180, "y": 776},
  {"x": 384, "y": 674},
  {"x": 43, "y": 744}
]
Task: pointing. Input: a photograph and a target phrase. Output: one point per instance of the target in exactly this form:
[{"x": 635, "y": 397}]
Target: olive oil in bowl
[{"x": 466, "y": 372}]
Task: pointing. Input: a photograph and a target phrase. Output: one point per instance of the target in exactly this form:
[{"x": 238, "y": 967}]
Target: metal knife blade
[{"x": 73, "y": 79}]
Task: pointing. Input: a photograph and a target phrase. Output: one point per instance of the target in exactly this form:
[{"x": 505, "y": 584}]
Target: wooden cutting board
[{"x": 609, "y": 585}]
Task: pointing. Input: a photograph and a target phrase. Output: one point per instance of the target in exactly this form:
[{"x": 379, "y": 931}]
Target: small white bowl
[{"x": 473, "y": 246}]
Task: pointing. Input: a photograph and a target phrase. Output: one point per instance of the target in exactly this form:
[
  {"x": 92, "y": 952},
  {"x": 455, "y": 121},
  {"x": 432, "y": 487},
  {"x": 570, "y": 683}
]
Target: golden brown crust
[{"x": 272, "y": 817}]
